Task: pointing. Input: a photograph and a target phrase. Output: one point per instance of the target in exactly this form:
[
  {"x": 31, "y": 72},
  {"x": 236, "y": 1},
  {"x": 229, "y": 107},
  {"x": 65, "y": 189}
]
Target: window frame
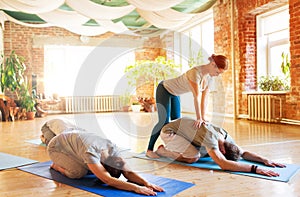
[
  {"x": 187, "y": 32},
  {"x": 182, "y": 47},
  {"x": 269, "y": 46},
  {"x": 263, "y": 44}
]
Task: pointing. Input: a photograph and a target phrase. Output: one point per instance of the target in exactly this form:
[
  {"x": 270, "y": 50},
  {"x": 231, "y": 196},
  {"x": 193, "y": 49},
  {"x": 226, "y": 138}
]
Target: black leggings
[{"x": 168, "y": 107}]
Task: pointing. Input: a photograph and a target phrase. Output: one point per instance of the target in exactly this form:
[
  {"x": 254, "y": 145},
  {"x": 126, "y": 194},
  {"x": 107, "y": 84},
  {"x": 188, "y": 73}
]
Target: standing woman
[{"x": 195, "y": 80}]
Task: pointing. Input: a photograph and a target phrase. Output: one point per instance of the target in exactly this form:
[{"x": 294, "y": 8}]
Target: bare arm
[
  {"x": 203, "y": 102},
  {"x": 199, "y": 103},
  {"x": 225, "y": 164},
  {"x": 105, "y": 177},
  {"x": 255, "y": 157},
  {"x": 196, "y": 95},
  {"x": 135, "y": 178}
]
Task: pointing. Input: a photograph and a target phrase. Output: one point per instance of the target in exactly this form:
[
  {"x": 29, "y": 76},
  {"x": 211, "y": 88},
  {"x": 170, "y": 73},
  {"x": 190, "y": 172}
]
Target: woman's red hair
[{"x": 220, "y": 60}]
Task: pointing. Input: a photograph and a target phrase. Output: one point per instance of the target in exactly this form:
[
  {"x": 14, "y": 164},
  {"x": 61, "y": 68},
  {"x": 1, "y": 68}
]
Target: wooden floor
[{"x": 278, "y": 142}]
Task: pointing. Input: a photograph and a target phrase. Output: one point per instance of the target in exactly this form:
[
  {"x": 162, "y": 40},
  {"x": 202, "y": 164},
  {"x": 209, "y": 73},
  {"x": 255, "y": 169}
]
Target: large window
[
  {"x": 61, "y": 67},
  {"x": 194, "y": 44},
  {"x": 272, "y": 41},
  {"x": 62, "y": 64}
]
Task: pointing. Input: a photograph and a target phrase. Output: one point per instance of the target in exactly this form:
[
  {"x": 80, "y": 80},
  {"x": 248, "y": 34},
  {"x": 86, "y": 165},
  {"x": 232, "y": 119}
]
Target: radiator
[
  {"x": 263, "y": 108},
  {"x": 81, "y": 104}
]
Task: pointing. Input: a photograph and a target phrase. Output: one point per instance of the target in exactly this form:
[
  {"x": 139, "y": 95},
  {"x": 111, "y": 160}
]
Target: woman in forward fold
[{"x": 75, "y": 153}]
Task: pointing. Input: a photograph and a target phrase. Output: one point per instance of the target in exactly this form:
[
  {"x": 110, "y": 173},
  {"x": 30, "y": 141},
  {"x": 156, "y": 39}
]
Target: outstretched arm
[
  {"x": 250, "y": 156},
  {"x": 225, "y": 164},
  {"x": 105, "y": 177},
  {"x": 135, "y": 178}
]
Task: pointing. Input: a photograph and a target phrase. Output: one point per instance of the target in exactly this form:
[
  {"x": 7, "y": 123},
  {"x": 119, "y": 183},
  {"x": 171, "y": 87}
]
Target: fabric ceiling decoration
[
  {"x": 154, "y": 5},
  {"x": 95, "y": 17},
  {"x": 168, "y": 18},
  {"x": 92, "y": 9}
]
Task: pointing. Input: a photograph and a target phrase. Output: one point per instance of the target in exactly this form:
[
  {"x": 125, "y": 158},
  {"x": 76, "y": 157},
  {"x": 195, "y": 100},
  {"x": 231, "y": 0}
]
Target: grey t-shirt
[
  {"x": 206, "y": 136},
  {"x": 85, "y": 148},
  {"x": 57, "y": 126}
]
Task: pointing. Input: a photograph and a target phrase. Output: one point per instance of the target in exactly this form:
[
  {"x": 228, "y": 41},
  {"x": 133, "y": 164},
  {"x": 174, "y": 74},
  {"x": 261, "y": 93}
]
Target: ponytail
[{"x": 220, "y": 60}]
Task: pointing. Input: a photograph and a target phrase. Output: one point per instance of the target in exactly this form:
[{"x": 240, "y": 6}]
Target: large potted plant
[
  {"x": 12, "y": 73},
  {"x": 151, "y": 71}
]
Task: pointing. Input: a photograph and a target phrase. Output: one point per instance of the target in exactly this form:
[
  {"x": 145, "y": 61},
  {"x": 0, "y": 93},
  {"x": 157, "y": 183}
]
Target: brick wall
[
  {"x": 293, "y": 99},
  {"x": 245, "y": 14},
  {"x": 222, "y": 20},
  {"x": 245, "y": 49}
]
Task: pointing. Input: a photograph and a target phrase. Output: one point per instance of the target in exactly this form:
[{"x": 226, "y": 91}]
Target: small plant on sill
[{"x": 276, "y": 83}]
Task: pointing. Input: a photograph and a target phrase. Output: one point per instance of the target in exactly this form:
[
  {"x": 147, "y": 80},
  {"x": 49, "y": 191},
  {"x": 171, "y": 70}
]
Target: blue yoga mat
[
  {"x": 89, "y": 182},
  {"x": 11, "y": 161},
  {"x": 36, "y": 141},
  {"x": 207, "y": 163}
]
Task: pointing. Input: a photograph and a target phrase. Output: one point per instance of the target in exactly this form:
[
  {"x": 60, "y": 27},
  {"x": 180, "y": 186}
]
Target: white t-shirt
[{"x": 180, "y": 84}]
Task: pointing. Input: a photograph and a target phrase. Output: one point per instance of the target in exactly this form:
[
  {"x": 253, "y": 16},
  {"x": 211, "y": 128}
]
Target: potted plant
[
  {"x": 125, "y": 101},
  {"x": 148, "y": 104},
  {"x": 13, "y": 80},
  {"x": 272, "y": 83},
  {"x": 275, "y": 83},
  {"x": 136, "y": 106},
  {"x": 151, "y": 71},
  {"x": 285, "y": 68},
  {"x": 12, "y": 73},
  {"x": 27, "y": 101}
]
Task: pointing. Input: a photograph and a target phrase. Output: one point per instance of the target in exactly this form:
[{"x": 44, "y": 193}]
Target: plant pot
[
  {"x": 136, "y": 108},
  {"x": 30, "y": 115},
  {"x": 150, "y": 108},
  {"x": 126, "y": 108}
]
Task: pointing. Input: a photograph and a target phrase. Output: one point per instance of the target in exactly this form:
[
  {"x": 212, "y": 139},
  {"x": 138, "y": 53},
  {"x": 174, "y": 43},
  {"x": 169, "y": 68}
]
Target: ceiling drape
[{"x": 157, "y": 14}]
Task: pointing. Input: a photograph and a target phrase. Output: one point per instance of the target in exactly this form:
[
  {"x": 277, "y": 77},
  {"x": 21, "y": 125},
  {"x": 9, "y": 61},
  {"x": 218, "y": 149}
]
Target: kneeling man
[{"x": 186, "y": 143}]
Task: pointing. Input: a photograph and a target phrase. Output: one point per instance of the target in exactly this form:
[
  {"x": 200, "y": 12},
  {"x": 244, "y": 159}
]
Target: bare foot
[
  {"x": 58, "y": 168},
  {"x": 160, "y": 150},
  {"x": 43, "y": 139},
  {"x": 152, "y": 154}
]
